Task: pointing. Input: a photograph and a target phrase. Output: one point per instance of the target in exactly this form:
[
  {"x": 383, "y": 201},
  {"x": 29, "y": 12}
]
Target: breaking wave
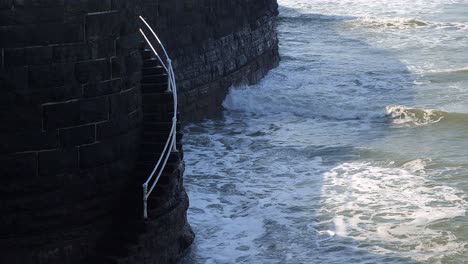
[
  {"x": 401, "y": 115},
  {"x": 259, "y": 101},
  {"x": 403, "y": 24},
  {"x": 458, "y": 70},
  {"x": 448, "y": 75}
]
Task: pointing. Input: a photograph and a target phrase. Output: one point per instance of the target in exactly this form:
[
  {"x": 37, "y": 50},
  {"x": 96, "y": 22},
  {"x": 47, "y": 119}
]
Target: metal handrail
[{"x": 172, "y": 137}]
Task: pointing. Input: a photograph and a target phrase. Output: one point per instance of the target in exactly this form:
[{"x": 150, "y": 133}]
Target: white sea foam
[
  {"x": 403, "y": 24},
  {"x": 456, "y": 70},
  {"x": 261, "y": 100},
  {"x": 362, "y": 8},
  {"x": 416, "y": 166},
  {"x": 393, "y": 208},
  {"x": 281, "y": 177},
  {"x": 402, "y": 115},
  {"x": 389, "y": 23}
]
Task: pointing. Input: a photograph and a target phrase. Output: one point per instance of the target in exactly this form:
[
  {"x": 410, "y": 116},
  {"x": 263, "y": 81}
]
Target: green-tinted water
[{"x": 354, "y": 150}]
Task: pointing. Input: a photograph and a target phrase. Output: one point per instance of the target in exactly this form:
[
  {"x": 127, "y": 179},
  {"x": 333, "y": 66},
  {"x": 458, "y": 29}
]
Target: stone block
[
  {"x": 59, "y": 161},
  {"x": 18, "y": 166},
  {"x": 132, "y": 80},
  {"x": 118, "y": 126},
  {"x": 36, "y": 3},
  {"x": 109, "y": 150},
  {"x": 133, "y": 62},
  {"x": 28, "y": 141},
  {"x": 25, "y": 118},
  {"x": 116, "y": 67},
  {"x": 40, "y": 34},
  {"x": 14, "y": 78},
  {"x": 87, "y": 6},
  {"x": 102, "y": 88},
  {"x": 51, "y": 75},
  {"x": 128, "y": 43},
  {"x": 102, "y": 48},
  {"x": 71, "y": 52},
  {"x": 92, "y": 71},
  {"x": 125, "y": 102},
  {"x": 102, "y": 25},
  {"x": 40, "y": 95},
  {"x": 39, "y": 55},
  {"x": 21, "y": 16},
  {"x": 14, "y": 57},
  {"x": 76, "y": 136},
  {"x": 6, "y": 4},
  {"x": 75, "y": 113}
]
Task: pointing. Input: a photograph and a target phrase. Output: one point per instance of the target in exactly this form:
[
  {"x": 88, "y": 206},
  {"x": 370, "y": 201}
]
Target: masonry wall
[
  {"x": 70, "y": 118},
  {"x": 215, "y": 44}
]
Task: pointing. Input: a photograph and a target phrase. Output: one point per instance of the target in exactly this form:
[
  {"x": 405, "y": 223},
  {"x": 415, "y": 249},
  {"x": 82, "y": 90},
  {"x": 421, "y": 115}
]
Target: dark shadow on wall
[{"x": 214, "y": 45}]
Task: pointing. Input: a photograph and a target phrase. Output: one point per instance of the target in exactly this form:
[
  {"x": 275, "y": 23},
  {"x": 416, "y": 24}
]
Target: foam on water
[
  {"x": 406, "y": 116},
  {"x": 353, "y": 150},
  {"x": 260, "y": 204},
  {"x": 393, "y": 209},
  {"x": 419, "y": 117},
  {"x": 457, "y": 70},
  {"x": 404, "y": 24},
  {"x": 264, "y": 100},
  {"x": 389, "y": 23}
]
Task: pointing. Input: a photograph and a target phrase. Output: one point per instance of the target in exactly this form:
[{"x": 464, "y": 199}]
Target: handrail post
[
  {"x": 145, "y": 201},
  {"x": 174, "y": 141},
  {"x": 169, "y": 75}
]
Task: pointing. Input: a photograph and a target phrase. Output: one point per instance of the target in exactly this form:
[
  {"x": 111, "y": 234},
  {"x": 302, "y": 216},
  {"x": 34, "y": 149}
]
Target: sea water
[{"x": 353, "y": 150}]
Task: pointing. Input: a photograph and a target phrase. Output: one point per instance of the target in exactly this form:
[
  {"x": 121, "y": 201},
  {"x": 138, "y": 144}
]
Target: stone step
[
  {"x": 160, "y": 97},
  {"x": 144, "y": 168},
  {"x": 159, "y": 136},
  {"x": 157, "y": 116},
  {"x": 160, "y": 127},
  {"x": 154, "y": 88},
  {"x": 146, "y": 54},
  {"x": 152, "y": 70},
  {"x": 151, "y": 63},
  {"x": 154, "y": 78},
  {"x": 166, "y": 178},
  {"x": 156, "y": 147},
  {"x": 157, "y": 98},
  {"x": 164, "y": 110},
  {"x": 149, "y": 156}
]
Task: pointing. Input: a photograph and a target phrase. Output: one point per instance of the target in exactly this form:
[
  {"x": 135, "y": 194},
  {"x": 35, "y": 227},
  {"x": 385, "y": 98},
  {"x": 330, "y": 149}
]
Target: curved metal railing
[{"x": 171, "y": 140}]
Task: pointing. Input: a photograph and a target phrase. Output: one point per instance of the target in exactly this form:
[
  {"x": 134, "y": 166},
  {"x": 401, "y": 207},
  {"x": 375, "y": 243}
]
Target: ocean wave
[
  {"x": 258, "y": 102},
  {"x": 401, "y": 115},
  {"x": 404, "y": 23},
  {"x": 456, "y": 70},
  {"x": 251, "y": 101},
  {"x": 447, "y": 75},
  {"x": 392, "y": 23}
]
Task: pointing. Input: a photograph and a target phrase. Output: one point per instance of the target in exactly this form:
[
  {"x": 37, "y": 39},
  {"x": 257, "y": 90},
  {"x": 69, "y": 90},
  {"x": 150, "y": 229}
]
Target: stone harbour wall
[
  {"x": 70, "y": 118},
  {"x": 215, "y": 44},
  {"x": 74, "y": 133}
]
